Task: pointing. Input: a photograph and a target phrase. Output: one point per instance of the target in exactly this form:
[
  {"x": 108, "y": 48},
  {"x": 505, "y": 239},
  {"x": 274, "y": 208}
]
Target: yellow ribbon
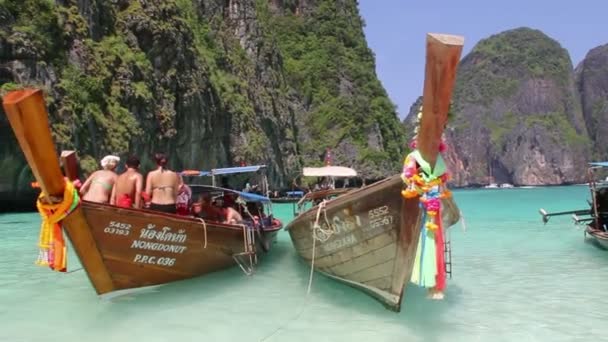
[{"x": 53, "y": 251}]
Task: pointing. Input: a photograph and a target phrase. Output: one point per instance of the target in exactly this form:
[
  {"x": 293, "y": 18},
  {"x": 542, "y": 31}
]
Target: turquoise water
[{"x": 514, "y": 280}]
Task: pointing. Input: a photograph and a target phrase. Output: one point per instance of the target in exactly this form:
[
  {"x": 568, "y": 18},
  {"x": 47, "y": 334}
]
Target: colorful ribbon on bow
[{"x": 53, "y": 251}]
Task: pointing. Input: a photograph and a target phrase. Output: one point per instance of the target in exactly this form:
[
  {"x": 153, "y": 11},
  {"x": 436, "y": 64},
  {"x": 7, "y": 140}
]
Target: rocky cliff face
[
  {"x": 517, "y": 117},
  {"x": 592, "y": 84},
  {"x": 212, "y": 82}
]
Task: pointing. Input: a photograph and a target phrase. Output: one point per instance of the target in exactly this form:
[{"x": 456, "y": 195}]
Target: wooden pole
[
  {"x": 442, "y": 58},
  {"x": 22, "y": 108},
  {"x": 70, "y": 164},
  {"x": 26, "y": 112}
]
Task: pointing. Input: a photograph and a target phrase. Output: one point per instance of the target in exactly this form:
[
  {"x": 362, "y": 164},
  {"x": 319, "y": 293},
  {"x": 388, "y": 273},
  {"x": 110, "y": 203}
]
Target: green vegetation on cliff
[
  {"x": 327, "y": 60},
  {"x": 517, "y": 112},
  {"x": 503, "y": 60},
  {"x": 213, "y": 83}
]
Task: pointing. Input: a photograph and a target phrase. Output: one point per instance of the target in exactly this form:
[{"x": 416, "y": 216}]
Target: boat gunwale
[
  {"x": 354, "y": 195},
  {"x": 175, "y": 217}
]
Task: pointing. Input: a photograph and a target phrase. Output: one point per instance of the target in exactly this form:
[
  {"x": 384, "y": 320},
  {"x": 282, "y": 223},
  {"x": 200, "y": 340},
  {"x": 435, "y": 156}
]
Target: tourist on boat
[
  {"x": 162, "y": 186},
  {"x": 204, "y": 209},
  {"x": 232, "y": 216},
  {"x": 98, "y": 187},
  {"x": 228, "y": 200},
  {"x": 182, "y": 202},
  {"x": 126, "y": 192}
]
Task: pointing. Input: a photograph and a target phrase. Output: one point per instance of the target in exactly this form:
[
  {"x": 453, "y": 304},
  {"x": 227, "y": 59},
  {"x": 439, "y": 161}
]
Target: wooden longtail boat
[
  {"x": 125, "y": 249},
  {"x": 367, "y": 237},
  {"x": 595, "y": 218}
]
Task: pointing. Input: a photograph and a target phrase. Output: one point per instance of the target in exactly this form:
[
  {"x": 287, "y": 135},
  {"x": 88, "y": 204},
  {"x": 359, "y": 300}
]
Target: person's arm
[
  {"x": 180, "y": 183},
  {"x": 139, "y": 184},
  {"x": 229, "y": 216},
  {"x": 149, "y": 187},
  {"x": 85, "y": 187},
  {"x": 113, "y": 195}
]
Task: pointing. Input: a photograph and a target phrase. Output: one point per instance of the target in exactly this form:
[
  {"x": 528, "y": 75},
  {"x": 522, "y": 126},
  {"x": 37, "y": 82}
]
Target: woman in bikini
[
  {"x": 128, "y": 186},
  {"x": 162, "y": 185},
  {"x": 98, "y": 187}
]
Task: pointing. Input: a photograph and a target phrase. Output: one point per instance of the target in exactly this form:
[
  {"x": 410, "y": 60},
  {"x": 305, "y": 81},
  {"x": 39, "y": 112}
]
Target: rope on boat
[
  {"x": 259, "y": 227},
  {"x": 76, "y": 270},
  {"x": 248, "y": 246},
  {"x": 204, "y": 231},
  {"x": 318, "y": 230},
  {"x": 327, "y": 233}
]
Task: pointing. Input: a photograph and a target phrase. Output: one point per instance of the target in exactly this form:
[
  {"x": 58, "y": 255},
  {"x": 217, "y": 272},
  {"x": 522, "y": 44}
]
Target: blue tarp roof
[
  {"x": 251, "y": 197},
  {"x": 602, "y": 164},
  {"x": 224, "y": 171},
  {"x": 233, "y": 170},
  {"x": 247, "y": 196},
  {"x": 295, "y": 193}
]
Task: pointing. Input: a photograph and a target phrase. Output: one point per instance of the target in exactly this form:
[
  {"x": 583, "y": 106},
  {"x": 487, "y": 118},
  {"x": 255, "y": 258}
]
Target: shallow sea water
[{"x": 514, "y": 279}]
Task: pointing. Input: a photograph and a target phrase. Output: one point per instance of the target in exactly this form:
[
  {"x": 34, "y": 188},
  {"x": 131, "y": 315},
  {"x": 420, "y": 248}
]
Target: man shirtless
[
  {"x": 162, "y": 185},
  {"x": 232, "y": 216},
  {"x": 206, "y": 210},
  {"x": 126, "y": 192},
  {"x": 203, "y": 208},
  {"x": 98, "y": 187}
]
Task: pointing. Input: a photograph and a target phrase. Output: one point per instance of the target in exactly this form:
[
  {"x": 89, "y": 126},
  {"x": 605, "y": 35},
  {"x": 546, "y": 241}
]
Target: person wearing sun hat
[{"x": 98, "y": 187}]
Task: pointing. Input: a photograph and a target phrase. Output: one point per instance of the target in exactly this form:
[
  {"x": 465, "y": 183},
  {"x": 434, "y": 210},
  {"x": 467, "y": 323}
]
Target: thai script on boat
[
  {"x": 342, "y": 242},
  {"x": 164, "y": 235},
  {"x": 341, "y": 225},
  {"x": 117, "y": 228},
  {"x": 156, "y": 246},
  {"x": 347, "y": 224},
  {"x": 152, "y": 260}
]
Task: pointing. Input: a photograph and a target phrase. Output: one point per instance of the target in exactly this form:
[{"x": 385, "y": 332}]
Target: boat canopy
[
  {"x": 601, "y": 164},
  {"x": 329, "y": 171},
  {"x": 224, "y": 171},
  {"x": 240, "y": 169},
  {"x": 295, "y": 193},
  {"x": 247, "y": 196},
  {"x": 251, "y": 197}
]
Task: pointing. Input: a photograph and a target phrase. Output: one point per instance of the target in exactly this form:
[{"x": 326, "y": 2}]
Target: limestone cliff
[
  {"x": 517, "y": 118},
  {"x": 212, "y": 82},
  {"x": 592, "y": 84}
]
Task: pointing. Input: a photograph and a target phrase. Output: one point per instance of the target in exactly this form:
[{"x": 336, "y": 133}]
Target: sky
[{"x": 396, "y": 32}]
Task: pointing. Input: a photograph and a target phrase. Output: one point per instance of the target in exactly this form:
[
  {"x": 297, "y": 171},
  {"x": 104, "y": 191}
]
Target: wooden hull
[
  {"x": 141, "y": 248},
  {"x": 374, "y": 240},
  {"x": 599, "y": 236}
]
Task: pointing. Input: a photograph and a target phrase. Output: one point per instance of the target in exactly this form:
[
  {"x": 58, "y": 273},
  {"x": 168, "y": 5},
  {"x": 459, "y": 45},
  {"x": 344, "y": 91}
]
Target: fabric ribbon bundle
[
  {"x": 53, "y": 251},
  {"x": 428, "y": 184}
]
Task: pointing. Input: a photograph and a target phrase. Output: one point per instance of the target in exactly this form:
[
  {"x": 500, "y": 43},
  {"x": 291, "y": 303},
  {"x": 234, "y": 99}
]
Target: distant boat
[
  {"x": 595, "y": 218},
  {"x": 600, "y": 236},
  {"x": 491, "y": 186},
  {"x": 291, "y": 197},
  {"x": 506, "y": 186},
  {"x": 122, "y": 249}
]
